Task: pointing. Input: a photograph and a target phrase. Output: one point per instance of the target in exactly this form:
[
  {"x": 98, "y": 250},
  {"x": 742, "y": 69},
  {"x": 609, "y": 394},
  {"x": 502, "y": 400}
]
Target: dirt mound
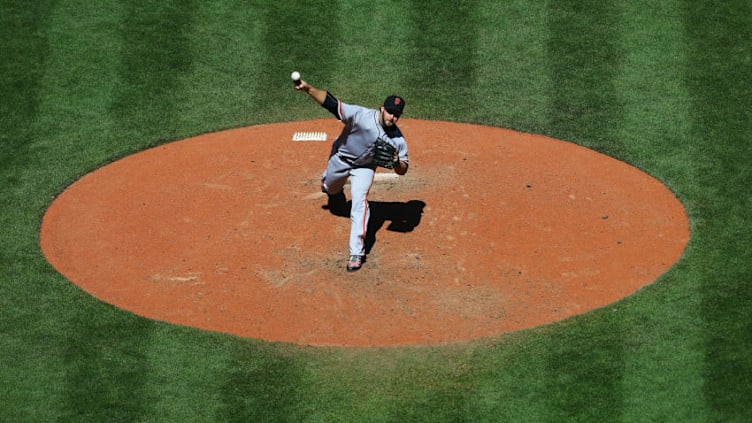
[{"x": 490, "y": 231}]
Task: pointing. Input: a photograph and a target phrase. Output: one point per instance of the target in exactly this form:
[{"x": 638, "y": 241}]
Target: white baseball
[{"x": 295, "y": 76}]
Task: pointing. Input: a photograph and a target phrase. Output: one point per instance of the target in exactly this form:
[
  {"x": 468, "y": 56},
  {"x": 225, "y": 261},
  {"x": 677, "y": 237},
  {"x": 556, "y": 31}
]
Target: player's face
[{"x": 389, "y": 119}]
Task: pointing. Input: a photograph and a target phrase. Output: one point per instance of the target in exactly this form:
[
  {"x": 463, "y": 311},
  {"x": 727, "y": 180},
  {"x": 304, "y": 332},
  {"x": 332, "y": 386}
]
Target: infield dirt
[{"x": 490, "y": 231}]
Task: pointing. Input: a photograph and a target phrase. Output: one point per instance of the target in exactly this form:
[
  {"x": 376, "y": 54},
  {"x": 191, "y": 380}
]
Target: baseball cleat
[
  {"x": 324, "y": 188},
  {"x": 355, "y": 263}
]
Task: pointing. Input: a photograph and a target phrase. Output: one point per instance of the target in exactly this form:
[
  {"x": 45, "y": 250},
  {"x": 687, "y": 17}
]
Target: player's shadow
[{"x": 402, "y": 216}]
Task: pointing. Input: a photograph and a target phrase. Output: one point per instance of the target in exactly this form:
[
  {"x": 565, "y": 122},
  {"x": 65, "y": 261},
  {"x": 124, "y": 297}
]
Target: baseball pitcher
[{"x": 370, "y": 138}]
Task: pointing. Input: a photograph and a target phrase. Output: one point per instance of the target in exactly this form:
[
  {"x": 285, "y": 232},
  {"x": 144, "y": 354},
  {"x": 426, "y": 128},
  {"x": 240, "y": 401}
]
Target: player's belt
[{"x": 345, "y": 159}]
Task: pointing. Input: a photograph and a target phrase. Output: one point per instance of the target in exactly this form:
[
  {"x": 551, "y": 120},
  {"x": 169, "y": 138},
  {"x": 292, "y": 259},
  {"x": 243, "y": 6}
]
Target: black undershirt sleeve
[{"x": 332, "y": 104}]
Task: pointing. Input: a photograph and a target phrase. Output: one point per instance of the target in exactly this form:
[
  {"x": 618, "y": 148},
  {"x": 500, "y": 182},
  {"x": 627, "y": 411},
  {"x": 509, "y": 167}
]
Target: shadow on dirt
[{"x": 402, "y": 216}]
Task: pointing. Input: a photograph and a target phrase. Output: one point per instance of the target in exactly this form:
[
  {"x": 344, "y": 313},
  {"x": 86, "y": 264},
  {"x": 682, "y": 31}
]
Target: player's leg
[
  {"x": 335, "y": 175},
  {"x": 360, "y": 184}
]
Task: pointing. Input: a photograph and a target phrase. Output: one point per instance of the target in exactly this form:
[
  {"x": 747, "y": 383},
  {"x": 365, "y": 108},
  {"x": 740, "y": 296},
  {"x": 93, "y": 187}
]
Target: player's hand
[{"x": 303, "y": 86}]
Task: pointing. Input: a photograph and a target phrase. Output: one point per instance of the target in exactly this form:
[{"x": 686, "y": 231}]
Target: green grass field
[{"x": 662, "y": 85}]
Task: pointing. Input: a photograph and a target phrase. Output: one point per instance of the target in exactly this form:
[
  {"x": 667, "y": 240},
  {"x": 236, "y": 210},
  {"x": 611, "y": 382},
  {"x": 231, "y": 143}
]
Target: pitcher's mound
[{"x": 490, "y": 231}]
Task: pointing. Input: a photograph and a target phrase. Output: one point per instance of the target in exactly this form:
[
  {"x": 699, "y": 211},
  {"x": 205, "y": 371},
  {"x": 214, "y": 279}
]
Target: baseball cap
[{"x": 394, "y": 104}]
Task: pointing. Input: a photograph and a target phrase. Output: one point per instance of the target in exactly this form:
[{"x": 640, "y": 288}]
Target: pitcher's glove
[{"x": 384, "y": 154}]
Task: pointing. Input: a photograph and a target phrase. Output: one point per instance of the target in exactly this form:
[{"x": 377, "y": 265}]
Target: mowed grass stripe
[
  {"x": 585, "y": 367},
  {"x": 656, "y": 127},
  {"x": 24, "y": 35},
  {"x": 155, "y": 55},
  {"x": 25, "y": 159},
  {"x": 585, "y": 55},
  {"x": 295, "y": 35},
  {"x": 510, "y": 380},
  {"x": 718, "y": 77},
  {"x": 25, "y": 376},
  {"x": 371, "y": 55},
  {"x": 221, "y": 86},
  {"x": 512, "y": 90},
  {"x": 73, "y": 129},
  {"x": 442, "y": 52},
  {"x": 653, "y": 92}
]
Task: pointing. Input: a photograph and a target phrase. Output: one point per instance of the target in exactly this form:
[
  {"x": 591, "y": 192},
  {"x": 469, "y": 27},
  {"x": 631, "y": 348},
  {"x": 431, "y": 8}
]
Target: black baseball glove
[{"x": 384, "y": 154}]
